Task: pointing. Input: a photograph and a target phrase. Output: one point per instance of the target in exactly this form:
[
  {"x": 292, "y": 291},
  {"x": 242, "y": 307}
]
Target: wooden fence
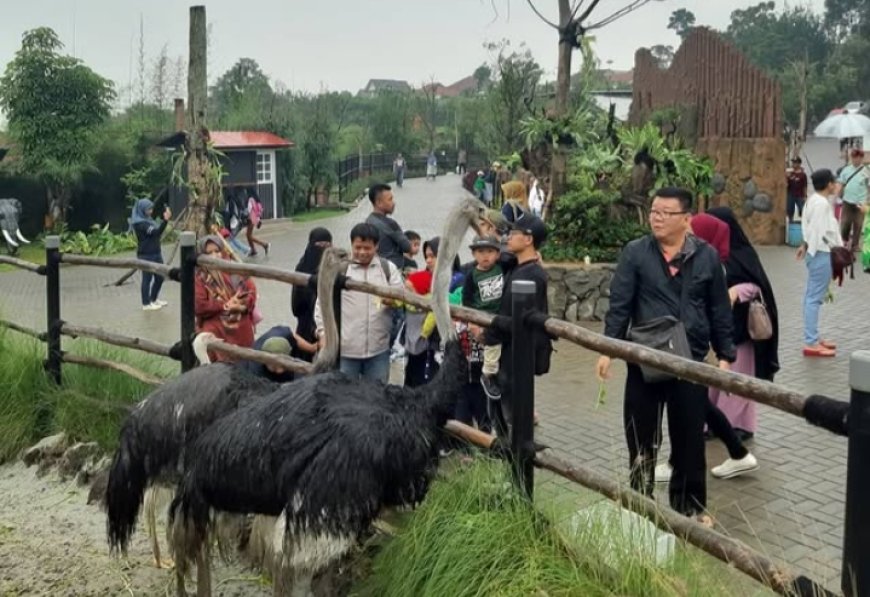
[{"x": 849, "y": 419}]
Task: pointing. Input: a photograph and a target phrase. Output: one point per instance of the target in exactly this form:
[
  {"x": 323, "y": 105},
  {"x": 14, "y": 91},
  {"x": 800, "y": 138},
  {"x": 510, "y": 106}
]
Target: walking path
[{"x": 792, "y": 508}]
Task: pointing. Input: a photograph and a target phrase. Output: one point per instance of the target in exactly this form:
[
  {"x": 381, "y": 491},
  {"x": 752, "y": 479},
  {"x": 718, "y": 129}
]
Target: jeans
[
  {"x": 376, "y": 368},
  {"x": 818, "y": 278},
  {"x": 687, "y": 407},
  {"x": 151, "y": 283},
  {"x": 398, "y": 321},
  {"x": 400, "y": 177},
  {"x": 793, "y": 202}
]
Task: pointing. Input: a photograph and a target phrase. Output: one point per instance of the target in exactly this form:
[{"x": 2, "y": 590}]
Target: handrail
[
  {"x": 764, "y": 392},
  {"x": 74, "y": 331},
  {"x": 138, "y": 374},
  {"x": 159, "y": 269},
  {"x": 23, "y": 264},
  {"x": 266, "y": 358},
  {"x": 22, "y": 329}
]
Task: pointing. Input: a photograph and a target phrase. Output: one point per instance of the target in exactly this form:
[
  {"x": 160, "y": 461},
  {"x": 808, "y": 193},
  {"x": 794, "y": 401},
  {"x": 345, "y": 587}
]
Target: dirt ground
[{"x": 53, "y": 543}]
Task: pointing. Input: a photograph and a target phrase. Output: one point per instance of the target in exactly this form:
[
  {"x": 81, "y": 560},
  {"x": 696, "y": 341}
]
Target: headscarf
[
  {"x": 310, "y": 261},
  {"x": 715, "y": 232},
  {"x": 744, "y": 266},
  {"x": 140, "y": 209},
  {"x": 422, "y": 280}
]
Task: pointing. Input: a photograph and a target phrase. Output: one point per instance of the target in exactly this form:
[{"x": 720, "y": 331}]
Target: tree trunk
[
  {"x": 200, "y": 202},
  {"x": 559, "y": 167},
  {"x": 802, "y": 126}
]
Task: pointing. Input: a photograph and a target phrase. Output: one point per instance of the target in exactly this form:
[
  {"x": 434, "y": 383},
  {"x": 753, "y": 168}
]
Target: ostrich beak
[
  {"x": 10, "y": 240},
  {"x": 21, "y": 237},
  {"x": 200, "y": 347}
]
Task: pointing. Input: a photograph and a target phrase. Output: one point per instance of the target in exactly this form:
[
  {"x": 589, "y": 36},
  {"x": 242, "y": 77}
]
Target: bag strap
[{"x": 686, "y": 273}]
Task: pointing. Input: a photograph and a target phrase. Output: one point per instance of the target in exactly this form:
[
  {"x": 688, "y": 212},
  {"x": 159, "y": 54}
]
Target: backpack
[
  {"x": 842, "y": 259},
  {"x": 385, "y": 266}
]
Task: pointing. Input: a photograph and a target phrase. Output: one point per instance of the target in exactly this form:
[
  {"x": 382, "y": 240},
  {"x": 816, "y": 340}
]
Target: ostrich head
[
  {"x": 200, "y": 347},
  {"x": 468, "y": 213},
  {"x": 333, "y": 263}
]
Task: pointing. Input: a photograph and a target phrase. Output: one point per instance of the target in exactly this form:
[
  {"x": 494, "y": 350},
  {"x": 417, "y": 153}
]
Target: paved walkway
[{"x": 792, "y": 509}]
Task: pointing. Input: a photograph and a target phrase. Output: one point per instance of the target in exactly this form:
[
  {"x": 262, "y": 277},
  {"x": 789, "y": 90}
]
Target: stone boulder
[
  {"x": 579, "y": 282},
  {"x": 48, "y": 449},
  {"x": 76, "y": 457}
]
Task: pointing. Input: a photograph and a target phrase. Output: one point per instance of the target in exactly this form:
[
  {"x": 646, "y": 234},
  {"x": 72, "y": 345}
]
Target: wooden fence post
[
  {"x": 188, "y": 310},
  {"x": 855, "y": 580},
  {"x": 52, "y": 302},
  {"x": 522, "y": 393}
]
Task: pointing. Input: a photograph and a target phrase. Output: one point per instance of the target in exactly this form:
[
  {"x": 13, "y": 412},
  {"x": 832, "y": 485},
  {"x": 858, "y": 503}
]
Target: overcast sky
[{"x": 339, "y": 44}]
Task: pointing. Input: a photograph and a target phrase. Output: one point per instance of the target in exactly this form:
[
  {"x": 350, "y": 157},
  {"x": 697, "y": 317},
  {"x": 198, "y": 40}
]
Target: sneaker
[
  {"x": 733, "y": 468},
  {"x": 490, "y": 387},
  {"x": 160, "y": 303},
  {"x": 151, "y": 307},
  {"x": 663, "y": 473}
]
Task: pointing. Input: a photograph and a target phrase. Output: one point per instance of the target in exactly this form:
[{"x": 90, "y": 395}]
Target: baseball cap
[
  {"x": 533, "y": 226},
  {"x": 857, "y": 153},
  {"x": 485, "y": 242},
  {"x": 276, "y": 345}
]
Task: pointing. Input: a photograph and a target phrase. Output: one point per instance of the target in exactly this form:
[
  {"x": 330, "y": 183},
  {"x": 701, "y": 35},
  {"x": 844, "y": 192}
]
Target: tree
[
  {"x": 318, "y": 149},
  {"x": 682, "y": 21},
  {"x": 512, "y": 94},
  {"x": 482, "y": 76},
  {"x": 55, "y": 106},
  {"x": 664, "y": 55},
  {"x": 426, "y": 101},
  {"x": 847, "y": 17},
  {"x": 242, "y": 95}
]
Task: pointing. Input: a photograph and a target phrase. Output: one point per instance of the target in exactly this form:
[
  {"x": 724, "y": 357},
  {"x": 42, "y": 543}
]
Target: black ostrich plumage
[
  {"x": 155, "y": 438},
  {"x": 328, "y": 451}
]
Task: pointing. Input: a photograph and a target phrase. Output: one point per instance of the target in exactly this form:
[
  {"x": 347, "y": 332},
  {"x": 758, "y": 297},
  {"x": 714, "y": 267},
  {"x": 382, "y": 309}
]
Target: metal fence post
[
  {"x": 52, "y": 303},
  {"x": 522, "y": 393},
  {"x": 188, "y": 291},
  {"x": 855, "y": 581}
]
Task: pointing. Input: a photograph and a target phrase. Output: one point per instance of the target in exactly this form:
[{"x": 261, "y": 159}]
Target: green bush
[{"x": 99, "y": 241}]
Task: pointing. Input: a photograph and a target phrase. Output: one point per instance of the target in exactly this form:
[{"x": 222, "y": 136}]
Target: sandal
[{"x": 821, "y": 351}]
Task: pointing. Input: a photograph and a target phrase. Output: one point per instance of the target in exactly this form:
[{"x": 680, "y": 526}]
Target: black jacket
[
  {"x": 643, "y": 289},
  {"x": 148, "y": 237},
  {"x": 393, "y": 244}
]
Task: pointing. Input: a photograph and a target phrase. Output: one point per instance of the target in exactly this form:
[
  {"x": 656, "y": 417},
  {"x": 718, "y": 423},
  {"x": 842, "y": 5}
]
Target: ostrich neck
[{"x": 331, "y": 267}]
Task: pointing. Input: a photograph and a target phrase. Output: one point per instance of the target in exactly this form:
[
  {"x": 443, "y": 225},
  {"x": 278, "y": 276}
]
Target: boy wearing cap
[{"x": 483, "y": 291}]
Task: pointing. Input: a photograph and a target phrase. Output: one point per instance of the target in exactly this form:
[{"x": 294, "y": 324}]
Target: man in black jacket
[{"x": 648, "y": 284}]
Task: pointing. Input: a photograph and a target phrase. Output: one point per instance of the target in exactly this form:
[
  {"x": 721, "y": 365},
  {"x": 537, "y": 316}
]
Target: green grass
[
  {"x": 34, "y": 252},
  {"x": 474, "y": 536},
  {"x": 320, "y": 213},
  {"x": 85, "y": 405}
]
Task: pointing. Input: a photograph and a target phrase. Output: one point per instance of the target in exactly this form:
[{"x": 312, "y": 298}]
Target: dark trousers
[
  {"x": 151, "y": 283},
  {"x": 420, "y": 368},
  {"x": 720, "y": 426},
  {"x": 851, "y": 226},
  {"x": 472, "y": 408},
  {"x": 687, "y": 406},
  {"x": 792, "y": 203},
  {"x": 462, "y": 168}
]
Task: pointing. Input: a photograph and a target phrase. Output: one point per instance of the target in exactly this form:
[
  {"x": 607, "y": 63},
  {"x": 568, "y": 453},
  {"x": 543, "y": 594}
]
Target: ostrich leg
[{"x": 203, "y": 571}]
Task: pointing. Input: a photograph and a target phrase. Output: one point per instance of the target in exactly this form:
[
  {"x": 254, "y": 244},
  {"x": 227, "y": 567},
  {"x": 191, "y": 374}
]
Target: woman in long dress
[
  {"x": 747, "y": 281},
  {"x": 303, "y": 298}
]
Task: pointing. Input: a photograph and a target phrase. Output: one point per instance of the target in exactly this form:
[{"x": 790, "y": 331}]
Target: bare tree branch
[
  {"x": 632, "y": 6},
  {"x": 588, "y": 11},
  {"x": 542, "y": 17},
  {"x": 575, "y": 8}
]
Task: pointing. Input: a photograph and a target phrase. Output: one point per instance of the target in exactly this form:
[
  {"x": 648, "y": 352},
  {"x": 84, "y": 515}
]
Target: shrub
[{"x": 99, "y": 241}]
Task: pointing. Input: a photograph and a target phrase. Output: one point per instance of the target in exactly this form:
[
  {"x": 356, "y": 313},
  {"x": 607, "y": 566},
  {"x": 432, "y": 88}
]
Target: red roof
[{"x": 241, "y": 139}]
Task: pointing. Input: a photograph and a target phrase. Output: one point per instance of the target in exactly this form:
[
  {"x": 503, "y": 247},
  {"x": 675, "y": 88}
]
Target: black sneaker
[{"x": 490, "y": 387}]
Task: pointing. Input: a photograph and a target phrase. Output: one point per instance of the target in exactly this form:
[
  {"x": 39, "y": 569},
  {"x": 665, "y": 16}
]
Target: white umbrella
[{"x": 841, "y": 126}]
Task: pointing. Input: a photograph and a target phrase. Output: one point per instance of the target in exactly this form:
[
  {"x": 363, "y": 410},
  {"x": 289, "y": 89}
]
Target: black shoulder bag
[{"x": 667, "y": 334}]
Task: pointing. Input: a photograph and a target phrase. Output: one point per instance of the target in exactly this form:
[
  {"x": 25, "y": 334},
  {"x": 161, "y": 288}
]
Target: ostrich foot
[{"x": 164, "y": 563}]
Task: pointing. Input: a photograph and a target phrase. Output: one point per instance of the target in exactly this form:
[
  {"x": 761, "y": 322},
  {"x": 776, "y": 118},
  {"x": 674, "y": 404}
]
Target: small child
[
  {"x": 479, "y": 185},
  {"x": 483, "y": 290},
  {"x": 409, "y": 263}
]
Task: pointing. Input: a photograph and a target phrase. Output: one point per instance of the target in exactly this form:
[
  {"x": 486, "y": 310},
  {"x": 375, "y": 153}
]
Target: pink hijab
[{"x": 715, "y": 232}]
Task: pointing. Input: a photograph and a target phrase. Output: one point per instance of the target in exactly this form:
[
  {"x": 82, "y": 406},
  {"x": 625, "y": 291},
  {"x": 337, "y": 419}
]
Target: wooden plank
[
  {"x": 159, "y": 269},
  {"x": 22, "y": 264}
]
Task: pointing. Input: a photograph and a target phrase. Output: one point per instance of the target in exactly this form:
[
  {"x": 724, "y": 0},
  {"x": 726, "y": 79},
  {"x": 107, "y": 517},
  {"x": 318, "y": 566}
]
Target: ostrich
[
  {"x": 324, "y": 454},
  {"x": 155, "y": 438}
]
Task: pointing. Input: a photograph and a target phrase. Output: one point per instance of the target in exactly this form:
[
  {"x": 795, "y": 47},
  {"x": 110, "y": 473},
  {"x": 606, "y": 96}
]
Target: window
[{"x": 264, "y": 167}]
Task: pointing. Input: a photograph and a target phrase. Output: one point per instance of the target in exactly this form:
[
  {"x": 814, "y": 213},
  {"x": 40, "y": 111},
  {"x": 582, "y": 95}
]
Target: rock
[
  {"x": 571, "y": 312},
  {"x": 750, "y": 189},
  {"x": 718, "y": 183},
  {"x": 601, "y": 308},
  {"x": 578, "y": 282},
  {"x": 49, "y": 448},
  {"x": 604, "y": 287},
  {"x": 586, "y": 309},
  {"x": 75, "y": 458},
  {"x": 557, "y": 298},
  {"x": 92, "y": 468},
  {"x": 762, "y": 203},
  {"x": 555, "y": 273},
  {"x": 97, "y": 494},
  {"x": 748, "y": 208}
]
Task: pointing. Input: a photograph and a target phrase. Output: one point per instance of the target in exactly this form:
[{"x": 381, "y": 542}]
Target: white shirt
[{"x": 819, "y": 226}]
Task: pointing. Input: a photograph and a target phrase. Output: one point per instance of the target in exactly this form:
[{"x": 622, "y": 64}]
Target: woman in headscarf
[
  {"x": 148, "y": 234},
  {"x": 224, "y": 303},
  {"x": 516, "y": 200},
  {"x": 747, "y": 281},
  {"x": 303, "y": 298},
  {"x": 421, "y": 343}
]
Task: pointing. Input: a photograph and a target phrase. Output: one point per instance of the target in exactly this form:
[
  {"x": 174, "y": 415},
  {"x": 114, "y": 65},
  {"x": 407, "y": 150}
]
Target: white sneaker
[
  {"x": 663, "y": 473},
  {"x": 160, "y": 303},
  {"x": 733, "y": 468},
  {"x": 151, "y": 307}
]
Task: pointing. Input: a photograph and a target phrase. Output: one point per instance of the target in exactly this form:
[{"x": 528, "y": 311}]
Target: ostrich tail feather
[{"x": 124, "y": 491}]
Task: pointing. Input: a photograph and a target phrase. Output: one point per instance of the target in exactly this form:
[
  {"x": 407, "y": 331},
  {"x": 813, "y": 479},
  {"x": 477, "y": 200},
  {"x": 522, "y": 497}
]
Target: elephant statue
[{"x": 10, "y": 215}]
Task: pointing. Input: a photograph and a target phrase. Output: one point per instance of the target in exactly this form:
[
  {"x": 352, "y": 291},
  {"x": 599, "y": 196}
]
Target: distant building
[
  {"x": 468, "y": 84},
  {"x": 619, "y": 79},
  {"x": 375, "y": 86}
]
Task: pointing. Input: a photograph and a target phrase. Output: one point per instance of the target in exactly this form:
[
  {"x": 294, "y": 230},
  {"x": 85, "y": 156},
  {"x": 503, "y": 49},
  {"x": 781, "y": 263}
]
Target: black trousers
[{"x": 687, "y": 408}]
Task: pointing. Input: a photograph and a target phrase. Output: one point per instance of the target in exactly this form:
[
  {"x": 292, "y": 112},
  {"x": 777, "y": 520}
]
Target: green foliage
[
  {"x": 85, "y": 406},
  {"x": 682, "y": 21},
  {"x": 55, "y": 106},
  {"x": 99, "y": 241},
  {"x": 512, "y": 95}
]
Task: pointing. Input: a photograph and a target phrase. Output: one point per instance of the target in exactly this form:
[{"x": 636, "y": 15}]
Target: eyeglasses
[{"x": 658, "y": 214}]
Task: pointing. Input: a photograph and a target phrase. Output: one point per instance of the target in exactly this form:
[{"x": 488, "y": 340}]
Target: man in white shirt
[
  {"x": 855, "y": 178},
  {"x": 821, "y": 233}
]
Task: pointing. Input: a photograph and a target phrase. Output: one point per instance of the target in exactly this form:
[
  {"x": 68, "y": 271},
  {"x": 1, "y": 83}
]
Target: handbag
[
  {"x": 667, "y": 334},
  {"x": 758, "y": 321}
]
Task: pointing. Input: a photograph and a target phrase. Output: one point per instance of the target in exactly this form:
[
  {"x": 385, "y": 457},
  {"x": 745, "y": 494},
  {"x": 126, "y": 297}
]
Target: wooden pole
[
  {"x": 76, "y": 359},
  {"x": 22, "y": 329},
  {"x": 21, "y": 264},
  {"x": 267, "y": 358},
  {"x": 158, "y": 269},
  {"x": 199, "y": 202},
  {"x": 77, "y": 331}
]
